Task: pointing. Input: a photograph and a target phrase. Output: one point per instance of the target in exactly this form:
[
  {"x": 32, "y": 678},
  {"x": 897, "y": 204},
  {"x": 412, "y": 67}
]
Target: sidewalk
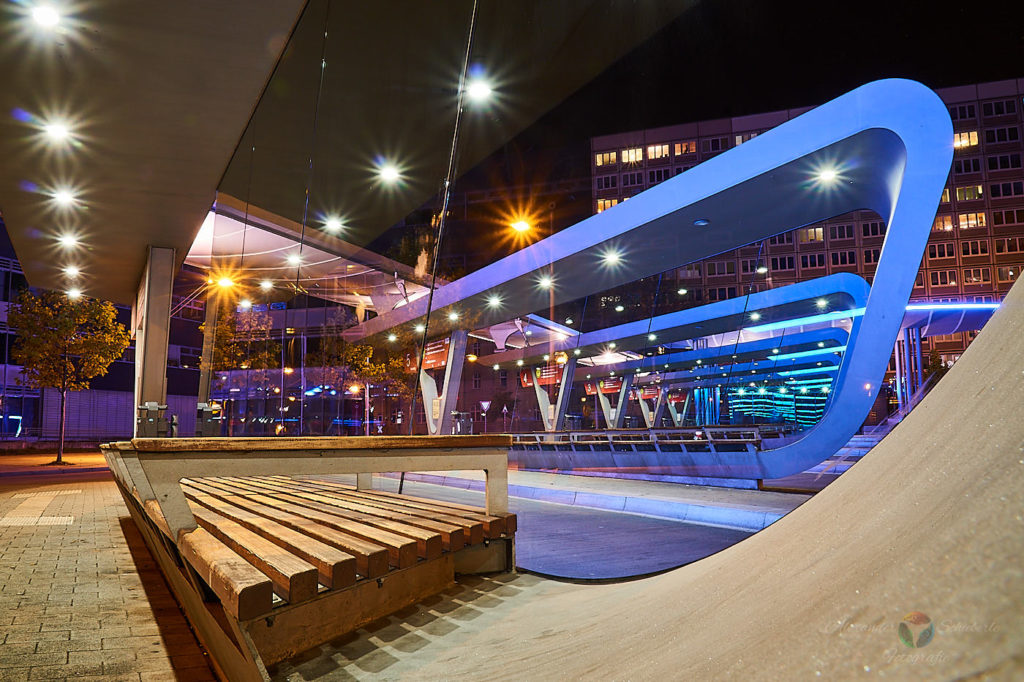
[
  {"x": 749, "y": 510},
  {"x": 33, "y": 464}
]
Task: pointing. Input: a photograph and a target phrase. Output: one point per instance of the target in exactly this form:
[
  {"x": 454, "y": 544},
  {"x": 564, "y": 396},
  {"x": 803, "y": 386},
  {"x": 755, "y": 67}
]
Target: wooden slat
[
  {"x": 336, "y": 568},
  {"x": 402, "y": 550},
  {"x": 371, "y": 559},
  {"x": 429, "y": 543},
  {"x": 511, "y": 523},
  {"x": 472, "y": 531},
  {"x": 317, "y": 443},
  {"x": 294, "y": 579},
  {"x": 492, "y": 526},
  {"x": 244, "y": 592}
]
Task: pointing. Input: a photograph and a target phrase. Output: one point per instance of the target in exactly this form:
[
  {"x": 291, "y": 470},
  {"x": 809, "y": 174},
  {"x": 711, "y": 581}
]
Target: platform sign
[
  {"x": 435, "y": 356},
  {"x": 543, "y": 376},
  {"x": 609, "y": 385},
  {"x": 677, "y": 398},
  {"x": 645, "y": 393}
]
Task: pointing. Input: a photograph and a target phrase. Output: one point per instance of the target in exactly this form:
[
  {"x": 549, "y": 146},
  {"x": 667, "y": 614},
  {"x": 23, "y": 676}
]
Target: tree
[{"x": 64, "y": 343}]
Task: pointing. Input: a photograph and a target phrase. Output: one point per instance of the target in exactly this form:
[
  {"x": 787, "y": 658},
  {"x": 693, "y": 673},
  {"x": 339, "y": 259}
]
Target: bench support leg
[{"x": 364, "y": 481}]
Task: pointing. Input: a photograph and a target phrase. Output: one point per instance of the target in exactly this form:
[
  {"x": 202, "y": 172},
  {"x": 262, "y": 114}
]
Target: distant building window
[
  {"x": 943, "y": 278},
  {"x": 1010, "y": 245},
  {"x": 784, "y": 238},
  {"x": 691, "y": 271},
  {"x": 1009, "y": 273},
  {"x": 969, "y": 192},
  {"x": 657, "y": 151},
  {"x": 1001, "y": 108},
  {"x": 1001, "y": 190},
  {"x": 688, "y": 147},
  {"x": 945, "y": 196},
  {"x": 476, "y": 380},
  {"x": 748, "y": 266},
  {"x": 941, "y": 250},
  {"x": 1008, "y": 217},
  {"x": 721, "y": 267},
  {"x": 714, "y": 144},
  {"x": 605, "y": 204},
  {"x": 974, "y": 247},
  {"x": 632, "y": 179},
  {"x": 658, "y": 175},
  {"x": 844, "y": 258},
  {"x": 811, "y": 234},
  {"x": 871, "y": 255},
  {"x": 683, "y": 169},
  {"x": 997, "y": 135},
  {"x": 812, "y": 260},
  {"x": 965, "y": 139},
  {"x": 607, "y": 182},
  {"x": 977, "y": 276},
  {"x": 875, "y": 228},
  {"x": 943, "y": 223},
  {"x": 503, "y": 377},
  {"x": 969, "y": 220},
  {"x": 840, "y": 232},
  {"x": 635, "y": 155},
  {"x": 782, "y": 263},
  {"x": 1004, "y": 162},
  {"x": 721, "y": 293},
  {"x": 958, "y": 112},
  {"x": 605, "y": 159},
  {"x": 971, "y": 165}
]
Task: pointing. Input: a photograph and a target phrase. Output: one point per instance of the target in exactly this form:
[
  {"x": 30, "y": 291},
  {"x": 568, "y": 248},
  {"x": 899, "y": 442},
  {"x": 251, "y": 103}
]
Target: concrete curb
[
  {"x": 725, "y": 517},
  {"x": 53, "y": 470}
]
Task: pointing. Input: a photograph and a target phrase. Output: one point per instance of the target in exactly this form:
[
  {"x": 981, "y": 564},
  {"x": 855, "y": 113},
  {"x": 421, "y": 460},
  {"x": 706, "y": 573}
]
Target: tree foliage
[{"x": 64, "y": 343}]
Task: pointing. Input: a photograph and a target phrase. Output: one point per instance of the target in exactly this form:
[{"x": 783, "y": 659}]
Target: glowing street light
[
  {"x": 761, "y": 269},
  {"x": 520, "y": 226}
]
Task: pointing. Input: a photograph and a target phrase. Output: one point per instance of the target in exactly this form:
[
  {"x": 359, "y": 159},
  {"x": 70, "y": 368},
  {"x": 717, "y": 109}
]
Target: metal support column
[
  {"x": 151, "y": 320},
  {"x": 553, "y": 416},
  {"x": 908, "y": 371},
  {"x": 917, "y": 349},
  {"x": 899, "y": 374},
  {"x": 652, "y": 415},
  {"x": 439, "y": 407},
  {"x": 614, "y": 417}
]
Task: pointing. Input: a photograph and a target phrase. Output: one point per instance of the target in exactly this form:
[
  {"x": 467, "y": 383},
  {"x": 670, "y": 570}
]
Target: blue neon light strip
[
  {"x": 816, "y": 370},
  {"x": 952, "y": 306},
  {"x": 812, "y": 319},
  {"x": 809, "y": 353}
]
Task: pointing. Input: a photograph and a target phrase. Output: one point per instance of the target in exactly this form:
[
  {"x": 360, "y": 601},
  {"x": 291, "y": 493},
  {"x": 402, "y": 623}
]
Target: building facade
[{"x": 976, "y": 248}]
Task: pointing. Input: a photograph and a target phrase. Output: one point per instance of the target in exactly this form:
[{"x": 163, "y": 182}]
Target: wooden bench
[{"x": 269, "y": 559}]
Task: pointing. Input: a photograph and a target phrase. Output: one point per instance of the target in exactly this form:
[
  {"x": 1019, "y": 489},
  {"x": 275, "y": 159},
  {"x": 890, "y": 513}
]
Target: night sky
[{"x": 731, "y": 58}]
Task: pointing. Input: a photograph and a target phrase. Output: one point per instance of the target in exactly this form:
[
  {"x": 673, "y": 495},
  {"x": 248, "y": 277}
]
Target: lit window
[
  {"x": 635, "y": 155},
  {"x": 657, "y": 151},
  {"x": 603, "y": 204},
  {"x": 943, "y": 223},
  {"x": 688, "y": 147},
  {"x": 811, "y": 234},
  {"x": 969, "y": 220},
  {"x": 965, "y": 139},
  {"x": 605, "y": 159},
  {"x": 945, "y": 196},
  {"x": 969, "y": 192}
]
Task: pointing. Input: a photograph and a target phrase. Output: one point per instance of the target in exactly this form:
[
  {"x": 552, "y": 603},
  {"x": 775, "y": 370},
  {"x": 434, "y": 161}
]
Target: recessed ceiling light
[
  {"x": 828, "y": 175},
  {"x": 56, "y": 132},
  {"x": 294, "y": 259},
  {"x": 651, "y": 337},
  {"x": 266, "y": 285},
  {"x": 71, "y": 271},
  {"x": 452, "y": 316},
  {"x": 821, "y": 303},
  {"x": 612, "y": 258},
  {"x": 681, "y": 292},
  {"x": 45, "y": 16},
  {"x": 544, "y": 282},
  {"x": 392, "y": 338},
  {"x": 576, "y": 351},
  {"x": 755, "y": 316},
  {"x": 494, "y": 301},
  {"x": 333, "y": 225},
  {"x": 74, "y": 294},
  {"x": 519, "y": 363},
  {"x": 245, "y": 304},
  {"x": 761, "y": 269},
  {"x": 520, "y": 226},
  {"x": 64, "y": 197},
  {"x": 479, "y": 91},
  {"x": 388, "y": 173},
  {"x": 619, "y": 308},
  {"x": 701, "y": 222},
  {"x": 68, "y": 240},
  {"x": 419, "y": 329}
]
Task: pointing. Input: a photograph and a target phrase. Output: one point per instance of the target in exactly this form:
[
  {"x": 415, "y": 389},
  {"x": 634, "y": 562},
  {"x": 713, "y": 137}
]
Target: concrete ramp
[{"x": 931, "y": 521}]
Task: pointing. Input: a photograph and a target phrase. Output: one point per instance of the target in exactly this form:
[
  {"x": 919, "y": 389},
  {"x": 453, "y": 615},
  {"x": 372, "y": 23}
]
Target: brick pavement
[{"x": 84, "y": 600}]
